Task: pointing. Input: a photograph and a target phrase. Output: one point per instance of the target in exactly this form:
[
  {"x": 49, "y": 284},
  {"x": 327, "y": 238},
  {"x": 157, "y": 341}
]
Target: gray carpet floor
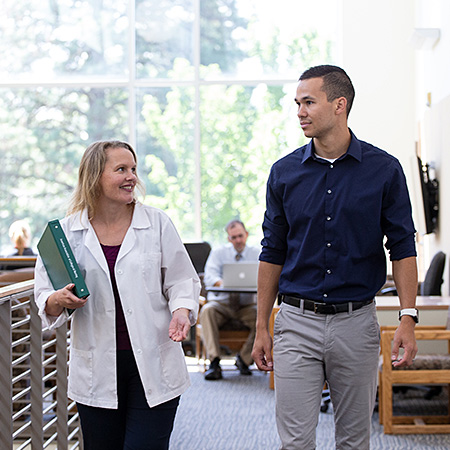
[{"x": 237, "y": 413}]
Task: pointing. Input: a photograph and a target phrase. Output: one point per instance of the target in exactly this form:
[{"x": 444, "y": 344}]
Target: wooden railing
[{"x": 34, "y": 409}]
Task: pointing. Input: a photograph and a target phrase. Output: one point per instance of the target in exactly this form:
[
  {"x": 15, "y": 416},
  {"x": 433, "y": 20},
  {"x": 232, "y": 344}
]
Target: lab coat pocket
[
  {"x": 151, "y": 271},
  {"x": 174, "y": 370},
  {"x": 80, "y": 375}
]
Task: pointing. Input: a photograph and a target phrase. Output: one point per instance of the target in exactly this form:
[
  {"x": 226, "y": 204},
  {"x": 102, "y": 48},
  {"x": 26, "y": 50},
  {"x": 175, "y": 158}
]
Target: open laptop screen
[{"x": 242, "y": 274}]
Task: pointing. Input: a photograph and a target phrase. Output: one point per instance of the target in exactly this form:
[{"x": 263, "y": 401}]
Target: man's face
[
  {"x": 316, "y": 114},
  {"x": 237, "y": 235}
]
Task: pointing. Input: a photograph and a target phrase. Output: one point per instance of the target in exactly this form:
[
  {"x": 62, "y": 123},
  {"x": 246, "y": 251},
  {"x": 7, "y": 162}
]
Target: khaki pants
[
  {"x": 214, "y": 314},
  {"x": 310, "y": 349}
]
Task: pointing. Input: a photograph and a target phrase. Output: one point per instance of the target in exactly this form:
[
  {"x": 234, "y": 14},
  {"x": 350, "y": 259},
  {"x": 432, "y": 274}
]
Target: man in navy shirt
[{"x": 330, "y": 207}]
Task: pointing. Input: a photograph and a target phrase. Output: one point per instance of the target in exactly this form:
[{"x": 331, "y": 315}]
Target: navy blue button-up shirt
[{"x": 326, "y": 223}]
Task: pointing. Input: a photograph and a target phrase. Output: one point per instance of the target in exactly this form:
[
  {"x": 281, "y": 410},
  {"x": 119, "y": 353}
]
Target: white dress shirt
[{"x": 214, "y": 269}]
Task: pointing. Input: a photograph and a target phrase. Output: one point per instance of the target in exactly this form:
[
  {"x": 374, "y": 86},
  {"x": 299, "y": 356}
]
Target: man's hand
[
  {"x": 404, "y": 338},
  {"x": 404, "y": 272},
  {"x": 179, "y": 325},
  {"x": 268, "y": 278},
  {"x": 262, "y": 351}
]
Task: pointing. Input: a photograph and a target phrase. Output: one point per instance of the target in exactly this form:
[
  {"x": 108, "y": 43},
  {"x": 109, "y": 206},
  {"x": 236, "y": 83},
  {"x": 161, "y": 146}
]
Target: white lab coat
[{"x": 154, "y": 277}]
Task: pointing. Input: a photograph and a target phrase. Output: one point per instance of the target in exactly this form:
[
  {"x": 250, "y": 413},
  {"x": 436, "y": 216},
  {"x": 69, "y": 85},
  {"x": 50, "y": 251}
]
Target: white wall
[
  {"x": 433, "y": 69},
  {"x": 378, "y": 57},
  {"x": 380, "y": 61},
  {"x": 433, "y": 64},
  {"x": 394, "y": 82}
]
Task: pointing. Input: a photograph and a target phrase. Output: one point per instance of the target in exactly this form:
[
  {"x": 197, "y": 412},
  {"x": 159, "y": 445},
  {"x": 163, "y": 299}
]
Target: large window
[{"x": 202, "y": 88}]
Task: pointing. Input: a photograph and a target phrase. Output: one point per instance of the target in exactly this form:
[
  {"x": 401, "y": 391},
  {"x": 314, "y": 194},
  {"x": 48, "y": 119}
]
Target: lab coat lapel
[
  {"x": 91, "y": 243},
  {"x": 128, "y": 243},
  {"x": 140, "y": 220}
]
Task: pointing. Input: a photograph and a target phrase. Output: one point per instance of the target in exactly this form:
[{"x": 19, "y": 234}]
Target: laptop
[{"x": 242, "y": 275}]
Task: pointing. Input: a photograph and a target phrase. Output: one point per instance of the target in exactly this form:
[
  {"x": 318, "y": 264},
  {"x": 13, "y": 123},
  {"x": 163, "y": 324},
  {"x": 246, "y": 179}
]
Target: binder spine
[
  {"x": 65, "y": 250},
  {"x": 68, "y": 259}
]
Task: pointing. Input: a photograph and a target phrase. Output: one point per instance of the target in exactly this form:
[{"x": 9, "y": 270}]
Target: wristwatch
[{"x": 413, "y": 312}]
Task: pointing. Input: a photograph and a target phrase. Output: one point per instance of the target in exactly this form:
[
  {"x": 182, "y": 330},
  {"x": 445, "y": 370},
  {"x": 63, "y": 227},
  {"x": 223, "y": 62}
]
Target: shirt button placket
[{"x": 329, "y": 211}]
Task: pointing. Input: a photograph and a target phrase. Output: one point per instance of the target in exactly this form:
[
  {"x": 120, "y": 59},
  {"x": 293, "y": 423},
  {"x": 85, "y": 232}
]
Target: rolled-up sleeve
[
  {"x": 397, "y": 220},
  {"x": 275, "y": 227}
]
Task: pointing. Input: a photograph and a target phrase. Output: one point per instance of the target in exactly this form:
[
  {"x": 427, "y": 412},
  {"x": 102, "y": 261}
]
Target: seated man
[{"x": 223, "y": 306}]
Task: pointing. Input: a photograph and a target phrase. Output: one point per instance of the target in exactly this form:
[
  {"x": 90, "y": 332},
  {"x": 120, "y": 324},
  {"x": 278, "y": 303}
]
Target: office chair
[
  {"x": 198, "y": 252},
  {"x": 433, "y": 278},
  {"x": 432, "y": 283}
]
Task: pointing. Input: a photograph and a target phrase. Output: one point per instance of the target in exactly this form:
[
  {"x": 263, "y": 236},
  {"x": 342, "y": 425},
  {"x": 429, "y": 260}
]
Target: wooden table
[
  {"x": 228, "y": 290},
  {"x": 430, "y": 303},
  {"x": 432, "y": 311}
]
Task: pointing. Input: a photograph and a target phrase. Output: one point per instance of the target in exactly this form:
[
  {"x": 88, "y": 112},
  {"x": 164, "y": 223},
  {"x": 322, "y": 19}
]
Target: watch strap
[{"x": 409, "y": 312}]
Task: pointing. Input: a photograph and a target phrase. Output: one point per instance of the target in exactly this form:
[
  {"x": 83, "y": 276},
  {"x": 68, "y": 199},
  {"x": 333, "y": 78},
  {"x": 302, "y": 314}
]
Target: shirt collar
[
  {"x": 80, "y": 221},
  {"x": 354, "y": 150},
  {"x": 235, "y": 252}
]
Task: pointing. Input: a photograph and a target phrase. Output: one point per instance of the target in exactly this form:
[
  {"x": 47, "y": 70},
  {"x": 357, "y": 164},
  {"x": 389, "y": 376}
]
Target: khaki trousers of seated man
[{"x": 214, "y": 314}]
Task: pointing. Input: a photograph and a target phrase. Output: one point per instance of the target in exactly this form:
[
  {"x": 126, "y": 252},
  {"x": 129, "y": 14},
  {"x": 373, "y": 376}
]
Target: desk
[
  {"x": 228, "y": 290},
  {"x": 423, "y": 303},
  {"x": 432, "y": 311}
]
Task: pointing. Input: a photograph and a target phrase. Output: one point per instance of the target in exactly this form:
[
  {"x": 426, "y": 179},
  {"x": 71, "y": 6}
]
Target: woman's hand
[
  {"x": 179, "y": 325},
  {"x": 63, "y": 298}
]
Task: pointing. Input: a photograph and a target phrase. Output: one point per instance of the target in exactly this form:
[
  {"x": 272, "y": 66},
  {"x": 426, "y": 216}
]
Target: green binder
[{"x": 58, "y": 259}]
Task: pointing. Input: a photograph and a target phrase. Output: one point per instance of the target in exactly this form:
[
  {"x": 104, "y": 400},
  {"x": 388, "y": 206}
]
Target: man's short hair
[
  {"x": 336, "y": 83},
  {"x": 233, "y": 223}
]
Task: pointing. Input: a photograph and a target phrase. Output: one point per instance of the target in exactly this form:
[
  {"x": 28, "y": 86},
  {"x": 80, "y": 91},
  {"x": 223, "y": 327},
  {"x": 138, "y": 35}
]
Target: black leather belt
[{"x": 322, "y": 308}]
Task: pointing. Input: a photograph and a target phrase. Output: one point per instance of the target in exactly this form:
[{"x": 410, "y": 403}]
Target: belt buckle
[{"x": 317, "y": 307}]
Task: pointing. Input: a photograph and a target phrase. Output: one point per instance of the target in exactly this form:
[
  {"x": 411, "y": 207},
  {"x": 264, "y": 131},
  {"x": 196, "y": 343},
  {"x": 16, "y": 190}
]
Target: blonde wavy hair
[{"x": 90, "y": 171}]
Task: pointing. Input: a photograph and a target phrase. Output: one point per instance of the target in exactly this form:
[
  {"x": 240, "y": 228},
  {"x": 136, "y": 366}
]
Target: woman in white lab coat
[{"x": 127, "y": 368}]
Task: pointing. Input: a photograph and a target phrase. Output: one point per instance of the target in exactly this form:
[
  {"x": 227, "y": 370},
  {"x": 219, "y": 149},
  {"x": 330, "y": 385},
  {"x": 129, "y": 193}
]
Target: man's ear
[{"x": 341, "y": 105}]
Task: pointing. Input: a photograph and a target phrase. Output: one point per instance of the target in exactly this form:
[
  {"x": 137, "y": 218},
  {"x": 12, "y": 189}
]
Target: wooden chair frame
[
  {"x": 233, "y": 339},
  {"x": 388, "y": 377}
]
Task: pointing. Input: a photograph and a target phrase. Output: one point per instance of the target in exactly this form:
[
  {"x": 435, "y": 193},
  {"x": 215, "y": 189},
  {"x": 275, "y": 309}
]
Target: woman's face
[{"x": 118, "y": 179}]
